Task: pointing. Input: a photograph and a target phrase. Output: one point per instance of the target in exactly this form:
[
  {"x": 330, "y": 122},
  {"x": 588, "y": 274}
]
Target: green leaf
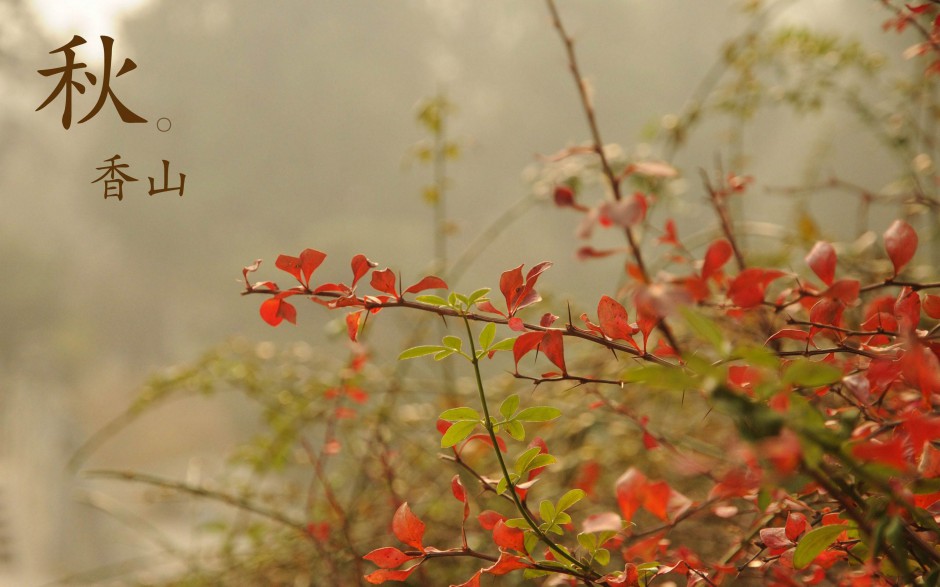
[
  {"x": 705, "y": 329},
  {"x": 457, "y": 432},
  {"x": 523, "y": 460},
  {"x": 419, "y": 351},
  {"x": 587, "y": 541},
  {"x": 457, "y": 414},
  {"x": 452, "y": 342},
  {"x": 546, "y": 511},
  {"x": 515, "y": 430},
  {"x": 503, "y": 345},
  {"x": 478, "y": 295},
  {"x": 509, "y": 406},
  {"x": 517, "y": 523},
  {"x": 432, "y": 300},
  {"x": 542, "y": 460},
  {"x": 814, "y": 542},
  {"x": 569, "y": 499},
  {"x": 462, "y": 299},
  {"x": 538, "y": 414},
  {"x": 602, "y": 556},
  {"x": 501, "y": 486},
  {"x": 531, "y": 540},
  {"x": 443, "y": 354},
  {"x": 487, "y": 335},
  {"x": 806, "y": 373},
  {"x": 562, "y": 518}
]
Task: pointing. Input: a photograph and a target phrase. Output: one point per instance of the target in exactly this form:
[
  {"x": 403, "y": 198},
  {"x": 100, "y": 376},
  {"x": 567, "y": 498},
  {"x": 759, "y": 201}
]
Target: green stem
[{"x": 502, "y": 465}]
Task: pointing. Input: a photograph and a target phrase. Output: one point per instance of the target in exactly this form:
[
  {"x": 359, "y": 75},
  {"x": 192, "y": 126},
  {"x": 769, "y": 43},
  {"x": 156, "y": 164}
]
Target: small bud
[{"x": 564, "y": 196}]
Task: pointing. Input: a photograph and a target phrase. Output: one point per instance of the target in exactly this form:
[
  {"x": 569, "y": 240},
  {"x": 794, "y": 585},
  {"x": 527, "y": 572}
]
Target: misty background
[{"x": 292, "y": 122}]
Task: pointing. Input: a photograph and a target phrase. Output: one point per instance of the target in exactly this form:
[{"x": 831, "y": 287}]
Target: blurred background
[{"x": 294, "y": 123}]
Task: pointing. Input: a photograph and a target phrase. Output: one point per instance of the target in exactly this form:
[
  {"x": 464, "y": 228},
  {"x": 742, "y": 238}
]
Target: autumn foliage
[{"x": 822, "y": 378}]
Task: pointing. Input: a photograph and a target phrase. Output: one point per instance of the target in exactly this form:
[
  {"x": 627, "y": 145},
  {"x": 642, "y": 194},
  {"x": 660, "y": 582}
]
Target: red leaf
[
  {"x": 524, "y": 344},
  {"x": 489, "y": 518},
  {"x": 516, "y": 323},
  {"x": 646, "y": 322},
  {"x": 587, "y": 477},
  {"x": 457, "y": 488},
  {"x": 589, "y": 252},
  {"x": 656, "y": 499},
  {"x": 461, "y": 494},
  {"x": 360, "y": 266},
  {"x": 352, "y": 324},
  {"x": 310, "y": 259},
  {"x": 289, "y": 264},
  {"x": 319, "y": 531},
  {"x": 827, "y": 311},
  {"x": 630, "y": 488},
  {"x": 553, "y": 347},
  {"x": 486, "y": 306},
  {"x": 407, "y": 527},
  {"x": 900, "y": 243},
  {"x": 274, "y": 310},
  {"x": 519, "y": 292},
  {"x": 383, "y": 575},
  {"x": 384, "y": 281},
  {"x": 921, "y": 430},
  {"x": 634, "y": 271},
  {"x": 716, "y": 256},
  {"x": 822, "y": 260},
  {"x": 844, "y": 290},
  {"x": 796, "y": 525},
  {"x": 473, "y": 581},
  {"x": 747, "y": 289},
  {"x": 613, "y": 319},
  {"x": 547, "y": 319},
  {"x": 528, "y": 295},
  {"x": 890, "y": 453},
  {"x": 507, "y": 563},
  {"x": 511, "y": 285},
  {"x": 736, "y": 483},
  {"x": 931, "y": 305},
  {"x": 669, "y": 234},
  {"x": 907, "y": 309},
  {"x": 775, "y": 539},
  {"x": 388, "y": 557},
  {"x": 629, "y": 578},
  {"x": 429, "y": 282},
  {"x": 645, "y": 549},
  {"x": 508, "y": 538}
]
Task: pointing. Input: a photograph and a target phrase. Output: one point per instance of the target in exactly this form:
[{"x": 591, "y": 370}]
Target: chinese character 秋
[
  {"x": 66, "y": 82},
  {"x": 166, "y": 179},
  {"x": 114, "y": 186}
]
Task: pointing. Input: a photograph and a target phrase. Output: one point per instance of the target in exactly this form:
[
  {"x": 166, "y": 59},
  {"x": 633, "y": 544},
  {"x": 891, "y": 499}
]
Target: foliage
[{"x": 720, "y": 420}]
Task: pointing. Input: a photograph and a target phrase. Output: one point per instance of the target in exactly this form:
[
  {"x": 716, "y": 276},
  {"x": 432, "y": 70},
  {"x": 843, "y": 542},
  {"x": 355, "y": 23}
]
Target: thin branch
[{"x": 234, "y": 501}]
